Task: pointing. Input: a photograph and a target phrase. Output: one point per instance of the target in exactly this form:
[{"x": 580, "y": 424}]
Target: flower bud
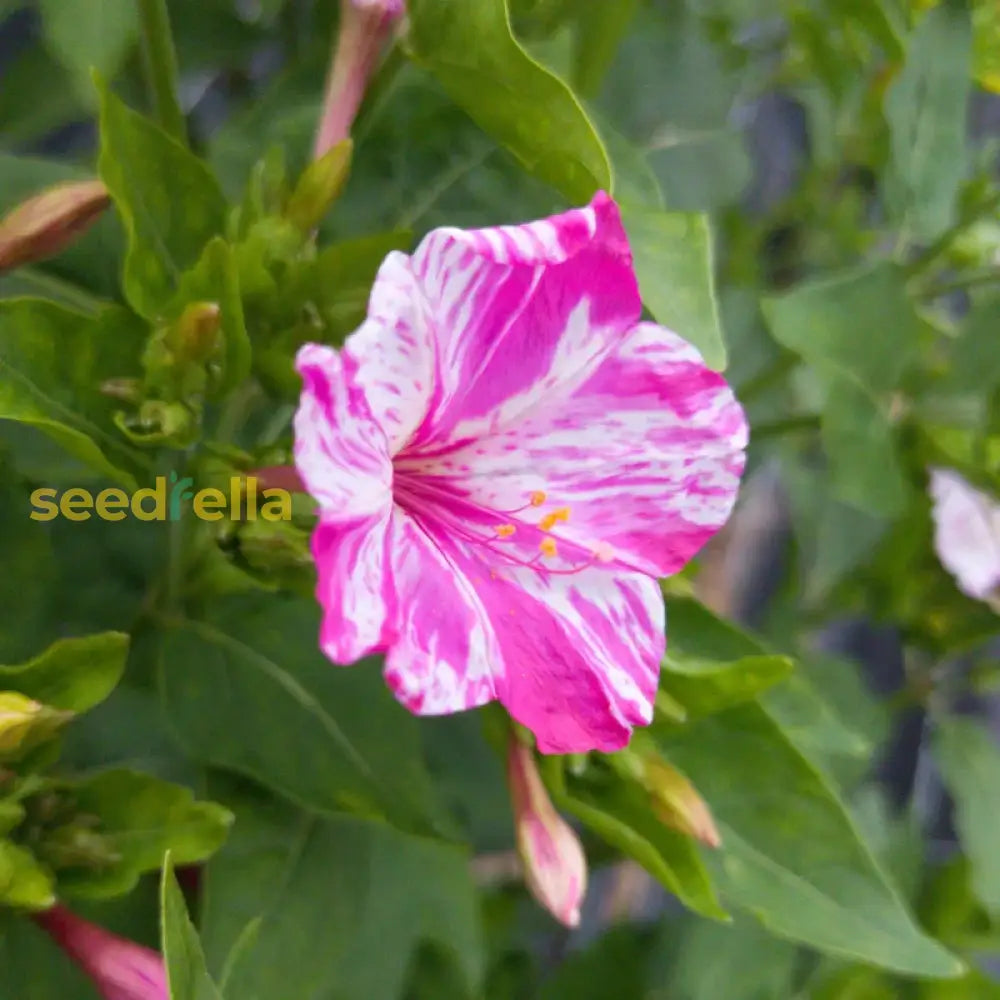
[
  {"x": 364, "y": 27},
  {"x": 120, "y": 969},
  {"x": 555, "y": 868},
  {"x": 25, "y": 723},
  {"x": 677, "y": 803},
  {"x": 46, "y": 224}
]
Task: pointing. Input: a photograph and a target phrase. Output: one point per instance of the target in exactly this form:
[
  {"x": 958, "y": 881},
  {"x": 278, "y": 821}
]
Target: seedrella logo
[{"x": 166, "y": 500}]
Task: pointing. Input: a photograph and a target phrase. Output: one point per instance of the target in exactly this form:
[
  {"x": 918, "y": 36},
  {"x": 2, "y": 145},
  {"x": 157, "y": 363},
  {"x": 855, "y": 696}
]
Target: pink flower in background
[
  {"x": 365, "y": 25},
  {"x": 967, "y": 534},
  {"x": 120, "y": 969},
  {"x": 555, "y": 867},
  {"x": 505, "y": 460}
]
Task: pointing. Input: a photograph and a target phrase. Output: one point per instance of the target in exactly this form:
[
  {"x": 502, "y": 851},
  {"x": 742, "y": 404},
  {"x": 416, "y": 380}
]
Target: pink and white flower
[
  {"x": 120, "y": 969},
  {"x": 967, "y": 534},
  {"x": 505, "y": 460}
]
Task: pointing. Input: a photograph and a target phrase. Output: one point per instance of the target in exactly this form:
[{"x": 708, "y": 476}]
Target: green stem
[
  {"x": 768, "y": 378},
  {"x": 804, "y": 422},
  {"x": 928, "y": 256},
  {"x": 987, "y": 276},
  {"x": 161, "y": 67}
]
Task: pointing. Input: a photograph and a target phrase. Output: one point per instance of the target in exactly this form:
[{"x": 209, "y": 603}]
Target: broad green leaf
[
  {"x": 926, "y": 109},
  {"x": 72, "y": 674},
  {"x": 674, "y": 265},
  {"x": 611, "y": 966},
  {"x": 600, "y": 29},
  {"x": 970, "y": 761},
  {"x": 861, "y": 444},
  {"x": 683, "y": 121},
  {"x": 34, "y": 967},
  {"x": 975, "y": 362},
  {"x": 23, "y": 881},
  {"x": 141, "y": 818},
  {"x": 860, "y": 323},
  {"x": 975, "y": 986},
  {"x": 90, "y": 34},
  {"x": 52, "y": 362},
  {"x": 705, "y": 686},
  {"x": 710, "y": 959},
  {"x": 215, "y": 278},
  {"x": 250, "y": 691},
  {"x": 368, "y": 889},
  {"x": 791, "y": 854},
  {"x": 622, "y": 815},
  {"x": 169, "y": 203},
  {"x": 524, "y": 106},
  {"x": 183, "y": 957},
  {"x": 859, "y": 331}
]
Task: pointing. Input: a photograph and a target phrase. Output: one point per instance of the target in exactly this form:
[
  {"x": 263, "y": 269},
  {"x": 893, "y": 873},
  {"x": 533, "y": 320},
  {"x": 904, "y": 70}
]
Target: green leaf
[
  {"x": 859, "y": 323},
  {"x": 215, "y": 278},
  {"x": 674, "y": 265},
  {"x": 622, "y": 815},
  {"x": 926, "y": 109},
  {"x": 23, "y": 881},
  {"x": 52, "y": 362},
  {"x": 72, "y": 674},
  {"x": 169, "y": 202},
  {"x": 250, "y": 691},
  {"x": 526, "y": 107},
  {"x": 860, "y": 332},
  {"x": 187, "y": 975},
  {"x": 367, "y": 888},
  {"x": 90, "y": 34},
  {"x": 703, "y": 687},
  {"x": 970, "y": 761},
  {"x": 791, "y": 854},
  {"x": 600, "y": 29},
  {"x": 709, "y": 959},
  {"x": 141, "y": 817},
  {"x": 612, "y": 966}
]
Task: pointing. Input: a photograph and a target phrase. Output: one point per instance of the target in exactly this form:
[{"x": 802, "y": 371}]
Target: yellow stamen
[
  {"x": 548, "y": 522},
  {"x": 548, "y": 547},
  {"x": 505, "y": 530},
  {"x": 537, "y": 498}
]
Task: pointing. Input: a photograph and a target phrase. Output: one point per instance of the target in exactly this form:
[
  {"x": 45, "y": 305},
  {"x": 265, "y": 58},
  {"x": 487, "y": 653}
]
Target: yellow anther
[
  {"x": 548, "y": 522},
  {"x": 548, "y": 547},
  {"x": 538, "y": 498},
  {"x": 505, "y": 530}
]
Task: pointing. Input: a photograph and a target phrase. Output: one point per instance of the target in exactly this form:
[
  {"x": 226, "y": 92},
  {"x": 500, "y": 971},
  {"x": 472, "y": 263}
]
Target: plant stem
[
  {"x": 161, "y": 67},
  {"x": 974, "y": 279},
  {"x": 928, "y": 256},
  {"x": 804, "y": 422}
]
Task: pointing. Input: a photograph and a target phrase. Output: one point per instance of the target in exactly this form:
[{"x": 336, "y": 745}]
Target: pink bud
[
  {"x": 120, "y": 969},
  {"x": 365, "y": 25},
  {"x": 278, "y": 477},
  {"x": 555, "y": 868}
]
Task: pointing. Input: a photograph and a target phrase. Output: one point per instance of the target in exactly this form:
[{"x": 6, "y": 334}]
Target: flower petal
[
  {"x": 354, "y": 586},
  {"x": 643, "y": 460},
  {"x": 581, "y": 654},
  {"x": 340, "y": 452},
  {"x": 518, "y": 311},
  {"x": 574, "y": 658},
  {"x": 446, "y": 654},
  {"x": 967, "y": 533}
]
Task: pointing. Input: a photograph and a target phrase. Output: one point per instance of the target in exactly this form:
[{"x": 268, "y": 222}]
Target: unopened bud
[
  {"x": 120, "y": 969},
  {"x": 555, "y": 868},
  {"x": 677, "y": 803},
  {"x": 319, "y": 187},
  {"x": 196, "y": 334},
  {"x": 24, "y": 723},
  {"x": 47, "y": 223}
]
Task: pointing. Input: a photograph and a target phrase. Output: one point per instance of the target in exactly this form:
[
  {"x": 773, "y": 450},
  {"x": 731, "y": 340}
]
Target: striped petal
[
  {"x": 341, "y": 453},
  {"x": 574, "y": 658},
  {"x": 643, "y": 461}
]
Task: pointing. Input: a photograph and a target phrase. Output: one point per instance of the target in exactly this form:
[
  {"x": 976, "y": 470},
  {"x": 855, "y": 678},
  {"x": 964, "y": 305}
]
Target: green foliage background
[{"x": 811, "y": 191}]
